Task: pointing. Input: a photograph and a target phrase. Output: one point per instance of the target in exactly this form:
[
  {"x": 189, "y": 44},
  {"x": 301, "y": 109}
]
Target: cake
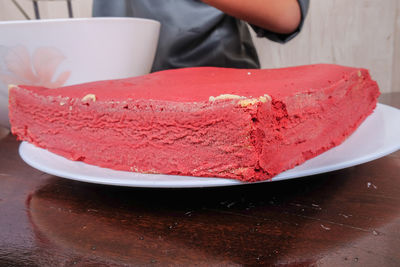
[{"x": 242, "y": 124}]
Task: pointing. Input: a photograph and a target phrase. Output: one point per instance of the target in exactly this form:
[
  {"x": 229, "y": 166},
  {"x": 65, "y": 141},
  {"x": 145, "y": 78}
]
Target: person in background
[{"x": 211, "y": 32}]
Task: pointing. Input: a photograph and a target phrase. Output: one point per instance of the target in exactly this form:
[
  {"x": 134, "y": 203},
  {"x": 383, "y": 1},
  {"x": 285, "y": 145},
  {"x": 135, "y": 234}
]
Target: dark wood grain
[{"x": 343, "y": 218}]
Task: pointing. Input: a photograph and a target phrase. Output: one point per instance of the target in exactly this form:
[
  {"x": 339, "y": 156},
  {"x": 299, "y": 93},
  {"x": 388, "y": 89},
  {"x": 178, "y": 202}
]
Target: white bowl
[{"x": 59, "y": 52}]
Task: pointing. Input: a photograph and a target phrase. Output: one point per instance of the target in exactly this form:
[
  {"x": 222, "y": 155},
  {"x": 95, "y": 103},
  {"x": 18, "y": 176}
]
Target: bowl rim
[{"x": 76, "y": 20}]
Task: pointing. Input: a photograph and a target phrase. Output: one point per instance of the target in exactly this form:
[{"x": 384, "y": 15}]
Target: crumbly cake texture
[{"x": 242, "y": 124}]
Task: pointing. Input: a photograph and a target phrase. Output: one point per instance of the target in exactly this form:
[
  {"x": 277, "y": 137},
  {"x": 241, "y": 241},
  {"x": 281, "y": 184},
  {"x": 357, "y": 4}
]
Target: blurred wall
[
  {"x": 362, "y": 33},
  {"x": 48, "y": 9}
]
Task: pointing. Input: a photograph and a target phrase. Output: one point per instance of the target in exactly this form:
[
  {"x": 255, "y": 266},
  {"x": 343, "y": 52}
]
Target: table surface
[{"x": 347, "y": 217}]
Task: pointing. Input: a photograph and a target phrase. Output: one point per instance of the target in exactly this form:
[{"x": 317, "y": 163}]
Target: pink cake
[{"x": 234, "y": 123}]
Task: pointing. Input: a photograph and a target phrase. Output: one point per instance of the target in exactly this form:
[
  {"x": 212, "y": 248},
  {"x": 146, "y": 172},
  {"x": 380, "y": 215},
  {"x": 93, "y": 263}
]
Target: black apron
[{"x": 193, "y": 33}]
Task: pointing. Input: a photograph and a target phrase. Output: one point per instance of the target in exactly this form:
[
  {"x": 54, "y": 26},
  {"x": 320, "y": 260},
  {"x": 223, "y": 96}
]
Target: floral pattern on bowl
[{"x": 18, "y": 66}]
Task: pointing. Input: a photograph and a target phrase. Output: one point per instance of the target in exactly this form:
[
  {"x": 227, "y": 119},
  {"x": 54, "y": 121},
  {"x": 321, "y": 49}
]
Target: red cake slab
[{"x": 233, "y": 123}]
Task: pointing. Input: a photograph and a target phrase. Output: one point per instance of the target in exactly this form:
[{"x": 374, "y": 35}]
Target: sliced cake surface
[{"x": 234, "y": 123}]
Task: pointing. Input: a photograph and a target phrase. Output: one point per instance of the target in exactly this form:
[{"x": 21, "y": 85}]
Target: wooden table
[{"x": 346, "y": 217}]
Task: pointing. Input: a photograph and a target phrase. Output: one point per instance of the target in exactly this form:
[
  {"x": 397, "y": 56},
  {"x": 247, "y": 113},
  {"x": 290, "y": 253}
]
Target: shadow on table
[{"x": 288, "y": 222}]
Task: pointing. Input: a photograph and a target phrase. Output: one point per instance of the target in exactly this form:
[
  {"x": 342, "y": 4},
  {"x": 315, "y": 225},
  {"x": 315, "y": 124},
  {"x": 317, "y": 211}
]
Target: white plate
[{"x": 378, "y": 136}]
